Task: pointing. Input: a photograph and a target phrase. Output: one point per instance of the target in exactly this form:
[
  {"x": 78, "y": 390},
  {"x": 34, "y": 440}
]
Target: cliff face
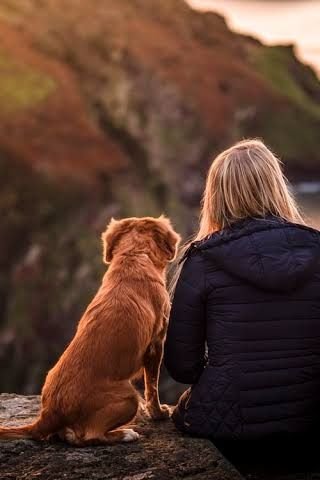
[
  {"x": 177, "y": 83},
  {"x": 116, "y": 108},
  {"x": 160, "y": 454}
]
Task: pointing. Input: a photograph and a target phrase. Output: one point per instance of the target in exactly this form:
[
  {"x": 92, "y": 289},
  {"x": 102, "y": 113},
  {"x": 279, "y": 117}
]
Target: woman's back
[{"x": 252, "y": 293}]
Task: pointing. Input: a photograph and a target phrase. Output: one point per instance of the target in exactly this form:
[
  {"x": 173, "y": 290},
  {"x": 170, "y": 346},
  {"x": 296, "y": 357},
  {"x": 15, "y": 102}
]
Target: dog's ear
[
  {"x": 111, "y": 237},
  {"x": 167, "y": 239}
]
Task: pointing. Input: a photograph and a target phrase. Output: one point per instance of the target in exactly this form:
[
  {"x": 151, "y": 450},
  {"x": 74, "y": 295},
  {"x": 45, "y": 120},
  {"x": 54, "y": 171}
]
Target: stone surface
[{"x": 160, "y": 454}]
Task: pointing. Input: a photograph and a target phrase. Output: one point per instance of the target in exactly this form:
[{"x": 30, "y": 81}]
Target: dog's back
[{"x": 115, "y": 331}]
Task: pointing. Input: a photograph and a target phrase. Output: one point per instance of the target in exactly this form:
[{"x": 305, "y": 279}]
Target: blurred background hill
[{"x": 117, "y": 108}]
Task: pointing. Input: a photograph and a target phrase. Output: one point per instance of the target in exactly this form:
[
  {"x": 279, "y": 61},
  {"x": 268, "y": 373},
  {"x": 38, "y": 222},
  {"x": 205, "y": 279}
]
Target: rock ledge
[{"x": 161, "y": 454}]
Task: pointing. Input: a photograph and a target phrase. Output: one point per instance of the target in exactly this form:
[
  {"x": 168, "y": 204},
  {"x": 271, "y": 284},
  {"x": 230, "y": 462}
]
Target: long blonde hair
[{"x": 244, "y": 181}]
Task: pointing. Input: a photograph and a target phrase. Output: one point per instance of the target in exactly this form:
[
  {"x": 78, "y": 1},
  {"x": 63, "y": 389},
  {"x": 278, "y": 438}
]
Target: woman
[{"x": 244, "y": 328}]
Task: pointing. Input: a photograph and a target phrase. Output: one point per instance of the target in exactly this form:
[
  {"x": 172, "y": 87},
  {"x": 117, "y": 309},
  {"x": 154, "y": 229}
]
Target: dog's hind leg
[
  {"x": 103, "y": 426},
  {"x": 111, "y": 418}
]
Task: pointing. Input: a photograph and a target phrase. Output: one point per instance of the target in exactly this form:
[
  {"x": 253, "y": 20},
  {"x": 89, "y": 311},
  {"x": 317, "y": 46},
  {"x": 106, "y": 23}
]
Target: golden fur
[{"x": 88, "y": 394}]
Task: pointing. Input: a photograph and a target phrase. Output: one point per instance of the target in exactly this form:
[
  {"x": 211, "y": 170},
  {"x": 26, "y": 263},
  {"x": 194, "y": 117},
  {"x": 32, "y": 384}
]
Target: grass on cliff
[
  {"x": 21, "y": 86},
  {"x": 290, "y": 79},
  {"x": 292, "y": 129}
]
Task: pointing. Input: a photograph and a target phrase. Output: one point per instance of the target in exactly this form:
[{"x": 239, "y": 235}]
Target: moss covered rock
[{"x": 21, "y": 87}]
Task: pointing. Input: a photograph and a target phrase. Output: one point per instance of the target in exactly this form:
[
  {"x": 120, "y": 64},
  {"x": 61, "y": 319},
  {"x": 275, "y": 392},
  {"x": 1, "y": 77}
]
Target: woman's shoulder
[
  {"x": 251, "y": 236},
  {"x": 250, "y": 226},
  {"x": 270, "y": 253}
]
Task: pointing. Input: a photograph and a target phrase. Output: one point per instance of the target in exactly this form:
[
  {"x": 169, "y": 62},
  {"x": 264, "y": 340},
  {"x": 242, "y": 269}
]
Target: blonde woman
[{"x": 244, "y": 328}]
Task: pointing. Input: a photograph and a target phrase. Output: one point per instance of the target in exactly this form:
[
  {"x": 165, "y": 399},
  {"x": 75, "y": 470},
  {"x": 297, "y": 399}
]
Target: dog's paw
[
  {"x": 71, "y": 437},
  {"x": 130, "y": 435},
  {"x": 163, "y": 413}
]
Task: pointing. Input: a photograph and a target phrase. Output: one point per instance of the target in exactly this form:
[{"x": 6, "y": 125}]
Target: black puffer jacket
[{"x": 252, "y": 294}]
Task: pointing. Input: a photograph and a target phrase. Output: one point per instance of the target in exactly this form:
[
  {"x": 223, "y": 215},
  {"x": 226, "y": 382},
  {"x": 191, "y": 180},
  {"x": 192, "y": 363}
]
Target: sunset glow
[{"x": 274, "y": 22}]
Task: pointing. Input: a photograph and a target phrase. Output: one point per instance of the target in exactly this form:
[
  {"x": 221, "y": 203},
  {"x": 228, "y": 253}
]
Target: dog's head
[{"x": 153, "y": 236}]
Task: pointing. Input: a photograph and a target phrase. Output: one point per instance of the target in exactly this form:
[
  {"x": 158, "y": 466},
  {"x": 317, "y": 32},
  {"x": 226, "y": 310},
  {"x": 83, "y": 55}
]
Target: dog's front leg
[{"x": 152, "y": 363}]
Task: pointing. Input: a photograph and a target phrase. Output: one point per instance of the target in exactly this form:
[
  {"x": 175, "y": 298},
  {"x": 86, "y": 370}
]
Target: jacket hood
[{"x": 269, "y": 253}]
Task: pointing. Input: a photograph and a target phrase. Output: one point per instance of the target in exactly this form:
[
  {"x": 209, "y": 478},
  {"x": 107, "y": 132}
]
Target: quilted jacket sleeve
[{"x": 184, "y": 354}]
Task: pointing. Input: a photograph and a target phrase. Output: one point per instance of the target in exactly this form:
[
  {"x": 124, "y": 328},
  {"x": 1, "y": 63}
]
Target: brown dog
[{"x": 88, "y": 394}]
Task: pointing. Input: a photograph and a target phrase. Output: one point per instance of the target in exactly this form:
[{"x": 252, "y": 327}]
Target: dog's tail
[
  {"x": 11, "y": 433},
  {"x": 41, "y": 429}
]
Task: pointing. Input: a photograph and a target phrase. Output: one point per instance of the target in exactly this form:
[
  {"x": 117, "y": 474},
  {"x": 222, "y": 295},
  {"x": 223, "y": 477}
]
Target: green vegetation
[
  {"x": 290, "y": 79},
  {"x": 292, "y": 129},
  {"x": 293, "y": 134},
  {"x": 21, "y": 86},
  {"x": 50, "y": 266}
]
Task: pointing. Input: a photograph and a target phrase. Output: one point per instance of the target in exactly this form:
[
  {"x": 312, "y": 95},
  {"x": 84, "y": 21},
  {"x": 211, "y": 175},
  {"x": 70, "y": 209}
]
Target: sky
[{"x": 274, "y": 21}]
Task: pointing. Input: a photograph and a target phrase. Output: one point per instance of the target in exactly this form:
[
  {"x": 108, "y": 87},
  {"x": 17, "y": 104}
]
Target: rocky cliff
[
  {"x": 160, "y": 454},
  {"x": 116, "y": 108}
]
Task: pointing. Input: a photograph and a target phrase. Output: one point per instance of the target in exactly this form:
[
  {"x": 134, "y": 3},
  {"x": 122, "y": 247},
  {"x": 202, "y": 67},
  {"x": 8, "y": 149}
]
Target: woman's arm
[{"x": 184, "y": 352}]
